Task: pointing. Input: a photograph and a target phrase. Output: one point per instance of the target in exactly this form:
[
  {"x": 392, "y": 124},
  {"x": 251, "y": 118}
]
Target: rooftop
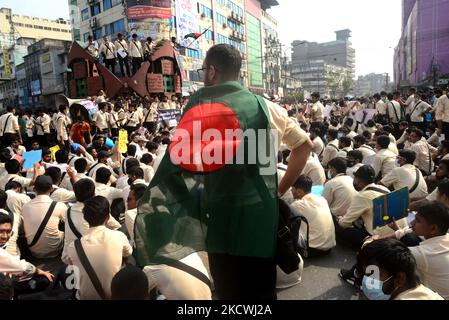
[{"x": 267, "y": 4}]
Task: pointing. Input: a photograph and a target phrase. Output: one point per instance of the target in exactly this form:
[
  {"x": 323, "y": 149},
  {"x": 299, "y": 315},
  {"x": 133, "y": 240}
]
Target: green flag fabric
[
  {"x": 229, "y": 208},
  {"x": 193, "y": 35}
]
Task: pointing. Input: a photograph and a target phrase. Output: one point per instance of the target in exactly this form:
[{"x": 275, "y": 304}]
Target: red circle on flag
[{"x": 207, "y": 138}]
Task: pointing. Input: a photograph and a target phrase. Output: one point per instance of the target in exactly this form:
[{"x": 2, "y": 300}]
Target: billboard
[
  {"x": 35, "y": 87},
  {"x": 149, "y": 9},
  {"x": 187, "y": 21},
  {"x": 7, "y": 64}
]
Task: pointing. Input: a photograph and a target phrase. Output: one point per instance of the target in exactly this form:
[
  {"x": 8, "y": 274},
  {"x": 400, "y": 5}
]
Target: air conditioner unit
[
  {"x": 93, "y": 22},
  {"x": 225, "y": 25}
]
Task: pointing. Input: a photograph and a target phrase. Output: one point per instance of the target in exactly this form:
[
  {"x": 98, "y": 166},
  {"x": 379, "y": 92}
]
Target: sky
[{"x": 375, "y": 24}]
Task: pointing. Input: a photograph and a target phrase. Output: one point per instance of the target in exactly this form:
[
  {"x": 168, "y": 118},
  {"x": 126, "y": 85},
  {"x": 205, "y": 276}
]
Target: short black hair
[
  {"x": 12, "y": 185},
  {"x": 121, "y": 288},
  {"x": 316, "y": 95},
  {"x": 62, "y": 156},
  {"x": 445, "y": 144},
  {"x": 152, "y": 145},
  {"x": 392, "y": 256},
  {"x": 304, "y": 183},
  {"x": 226, "y": 59},
  {"x": 62, "y": 108},
  {"x": 444, "y": 162},
  {"x": 132, "y": 149},
  {"x": 408, "y": 155},
  {"x": 84, "y": 189},
  {"x": 43, "y": 184},
  {"x": 332, "y": 134},
  {"x": 12, "y": 166},
  {"x": 102, "y": 105},
  {"x": 96, "y": 210},
  {"x": 146, "y": 158},
  {"x": 54, "y": 173},
  {"x": 360, "y": 139},
  {"x": 436, "y": 213},
  {"x": 139, "y": 190},
  {"x": 134, "y": 35},
  {"x": 356, "y": 155},
  {"x": 346, "y": 141},
  {"x": 6, "y": 287},
  {"x": 132, "y": 162},
  {"x": 103, "y": 155},
  {"x": 102, "y": 175},
  {"x": 136, "y": 171},
  {"x": 340, "y": 164},
  {"x": 10, "y": 108},
  {"x": 80, "y": 165},
  {"x": 383, "y": 141},
  {"x": 3, "y": 198},
  {"x": 418, "y": 132}
]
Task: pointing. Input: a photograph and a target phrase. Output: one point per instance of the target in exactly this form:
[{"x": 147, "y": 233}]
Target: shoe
[{"x": 349, "y": 277}]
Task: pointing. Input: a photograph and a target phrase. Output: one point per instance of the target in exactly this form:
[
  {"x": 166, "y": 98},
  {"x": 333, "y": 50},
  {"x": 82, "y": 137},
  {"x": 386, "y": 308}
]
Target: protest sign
[
  {"x": 53, "y": 151},
  {"x": 31, "y": 158},
  {"x": 390, "y": 206},
  {"x": 123, "y": 141}
]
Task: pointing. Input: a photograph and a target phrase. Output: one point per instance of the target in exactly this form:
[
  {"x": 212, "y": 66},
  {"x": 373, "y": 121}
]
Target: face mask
[{"x": 372, "y": 288}]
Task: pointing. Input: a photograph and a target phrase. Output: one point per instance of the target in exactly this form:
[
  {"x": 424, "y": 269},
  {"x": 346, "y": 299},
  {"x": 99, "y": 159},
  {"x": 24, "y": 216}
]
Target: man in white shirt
[
  {"x": 15, "y": 148},
  {"x": 122, "y": 53},
  {"x": 9, "y": 126},
  {"x": 103, "y": 157},
  {"x": 135, "y": 176},
  {"x": 58, "y": 193},
  {"x": 394, "y": 110},
  {"x": 354, "y": 162},
  {"x": 75, "y": 224},
  {"x": 314, "y": 170},
  {"x": 318, "y": 144},
  {"x": 331, "y": 150},
  {"x": 316, "y": 111},
  {"x": 103, "y": 248},
  {"x": 339, "y": 190},
  {"x": 407, "y": 176},
  {"x": 316, "y": 210},
  {"x": 381, "y": 108},
  {"x": 136, "y": 192},
  {"x": 13, "y": 169},
  {"x": 146, "y": 163},
  {"x": 135, "y": 53},
  {"x": 15, "y": 202},
  {"x": 42, "y": 210},
  {"x": 132, "y": 119},
  {"x": 432, "y": 255},
  {"x": 360, "y": 144},
  {"x": 103, "y": 189},
  {"x": 417, "y": 111},
  {"x": 385, "y": 160},
  {"x": 423, "y": 150},
  {"x": 101, "y": 118},
  {"x": 410, "y": 100},
  {"x": 42, "y": 124},
  {"x": 344, "y": 144},
  {"x": 442, "y": 114},
  {"x": 62, "y": 123},
  {"x": 107, "y": 49}
]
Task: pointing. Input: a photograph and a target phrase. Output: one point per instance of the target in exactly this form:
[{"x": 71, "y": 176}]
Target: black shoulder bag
[
  {"x": 43, "y": 224},
  {"x": 72, "y": 225}
]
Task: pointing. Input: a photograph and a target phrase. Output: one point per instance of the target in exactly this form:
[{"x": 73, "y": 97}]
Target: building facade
[
  {"x": 245, "y": 24},
  {"x": 372, "y": 83},
  {"x": 421, "y": 56},
  {"x": 328, "y": 68}
]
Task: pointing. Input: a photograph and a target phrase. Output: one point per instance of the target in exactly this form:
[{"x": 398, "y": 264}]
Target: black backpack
[{"x": 287, "y": 248}]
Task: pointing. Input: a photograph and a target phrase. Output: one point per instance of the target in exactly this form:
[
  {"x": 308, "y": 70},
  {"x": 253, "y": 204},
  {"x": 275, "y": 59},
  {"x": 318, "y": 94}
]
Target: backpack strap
[
  {"x": 72, "y": 225},
  {"x": 88, "y": 267},
  {"x": 43, "y": 224},
  {"x": 90, "y": 170},
  {"x": 377, "y": 190},
  {"x": 6, "y": 123},
  {"x": 188, "y": 269},
  {"x": 415, "y": 186},
  {"x": 62, "y": 177},
  {"x": 332, "y": 146}
]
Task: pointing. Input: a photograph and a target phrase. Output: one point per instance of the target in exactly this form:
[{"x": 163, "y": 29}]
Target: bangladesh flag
[
  {"x": 227, "y": 205},
  {"x": 193, "y": 35}
]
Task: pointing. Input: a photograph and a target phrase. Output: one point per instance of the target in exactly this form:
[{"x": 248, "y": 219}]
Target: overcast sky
[{"x": 375, "y": 24}]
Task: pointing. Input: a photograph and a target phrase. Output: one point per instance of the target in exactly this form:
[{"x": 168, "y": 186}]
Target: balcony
[{"x": 235, "y": 17}]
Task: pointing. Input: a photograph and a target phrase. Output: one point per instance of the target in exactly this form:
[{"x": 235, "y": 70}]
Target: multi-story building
[
  {"x": 241, "y": 23},
  {"x": 272, "y": 56},
  {"x": 328, "y": 68},
  {"x": 372, "y": 83},
  {"x": 421, "y": 56},
  {"x": 17, "y": 32},
  {"x": 45, "y": 69}
]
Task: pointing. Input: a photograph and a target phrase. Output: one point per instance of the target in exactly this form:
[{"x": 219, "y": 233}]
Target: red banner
[{"x": 149, "y": 12}]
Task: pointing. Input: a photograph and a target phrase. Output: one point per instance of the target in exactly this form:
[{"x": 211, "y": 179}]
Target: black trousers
[
  {"x": 110, "y": 64},
  {"x": 446, "y": 129},
  {"x": 137, "y": 62},
  {"x": 33, "y": 285},
  {"x": 124, "y": 64},
  {"x": 351, "y": 237},
  {"x": 243, "y": 278},
  {"x": 6, "y": 139}
]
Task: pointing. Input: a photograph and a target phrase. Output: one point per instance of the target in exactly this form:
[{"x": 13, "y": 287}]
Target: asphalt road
[{"x": 320, "y": 279}]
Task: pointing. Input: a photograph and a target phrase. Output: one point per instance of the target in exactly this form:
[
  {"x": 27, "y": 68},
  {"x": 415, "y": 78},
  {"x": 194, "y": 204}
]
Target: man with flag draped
[{"x": 212, "y": 193}]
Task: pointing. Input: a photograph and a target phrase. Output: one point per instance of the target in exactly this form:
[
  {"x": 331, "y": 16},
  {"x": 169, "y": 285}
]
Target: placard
[
  {"x": 155, "y": 83},
  {"x": 31, "y": 158},
  {"x": 393, "y": 205},
  {"x": 123, "y": 141}
]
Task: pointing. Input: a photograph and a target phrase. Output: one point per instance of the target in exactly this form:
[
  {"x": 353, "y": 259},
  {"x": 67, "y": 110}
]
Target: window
[
  {"x": 95, "y": 9},
  {"x": 203, "y": 10},
  {"x": 209, "y": 35},
  {"x": 193, "y": 53},
  {"x": 221, "y": 19},
  {"x": 107, "y": 4},
  {"x": 222, "y": 2},
  {"x": 115, "y": 27},
  {"x": 85, "y": 36},
  {"x": 98, "y": 33},
  {"x": 222, "y": 39},
  {"x": 237, "y": 9},
  {"x": 85, "y": 14}
]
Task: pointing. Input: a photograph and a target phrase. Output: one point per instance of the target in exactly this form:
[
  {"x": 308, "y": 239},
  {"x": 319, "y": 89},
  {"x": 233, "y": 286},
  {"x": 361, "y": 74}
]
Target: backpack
[{"x": 287, "y": 247}]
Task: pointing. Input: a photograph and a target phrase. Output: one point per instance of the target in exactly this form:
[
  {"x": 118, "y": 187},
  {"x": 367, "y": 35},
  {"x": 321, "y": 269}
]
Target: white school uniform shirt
[
  {"x": 314, "y": 170},
  {"x": 317, "y": 112},
  {"x": 135, "y": 49},
  {"x": 14, "y": 177},
  {"x": 442, "y": 109},
  {"x": 127, "y": 189},
  {"x": 339, "y": 192},
  {"x": 123, "y": 45},
  {"x": 421, "y": 292},
  {"x": 101, "y": 119},
  {"x": 381, "y": 107},
  {"x": 108, "y": 48},
  {"x": 432, "y": 259},
  {"x": 92, "y": 172},
  {"x": 423, "y": 155},
  {"x": 384, "y": 161},
  {"x": 132, "y": 119},
  {"x": 350, "y": 171},
  {"x": 330, "y": 152},
  {"x": 20, "y": 150},
  {"x": 394, "y": 110},
  {"x": 43, "y": 124},
  {"x": 176, "y": 284},
  {"x": 105, "y": 250},
  {"x": 318, "y": 146},
  {"x": 11, "y": 126},
  {"x": 108, "y": 192},
  {"x": 405, "y": 176},
  {"x": 130, "y": 218},
  {"x": 148, "y": 172},
  {"x": 12, "y": 265},
  {"x": 343, "y": 153},
  {"x": 82, "y": 226},
  {"x": 62, "y": 123},
  {"x": 321, "y": 225},
  {"x": 416, "y": 109},
  {"x": 62, "y": 195},
  {"x": 15, "y": 203},
  {"x": 51, "y": 241}
]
